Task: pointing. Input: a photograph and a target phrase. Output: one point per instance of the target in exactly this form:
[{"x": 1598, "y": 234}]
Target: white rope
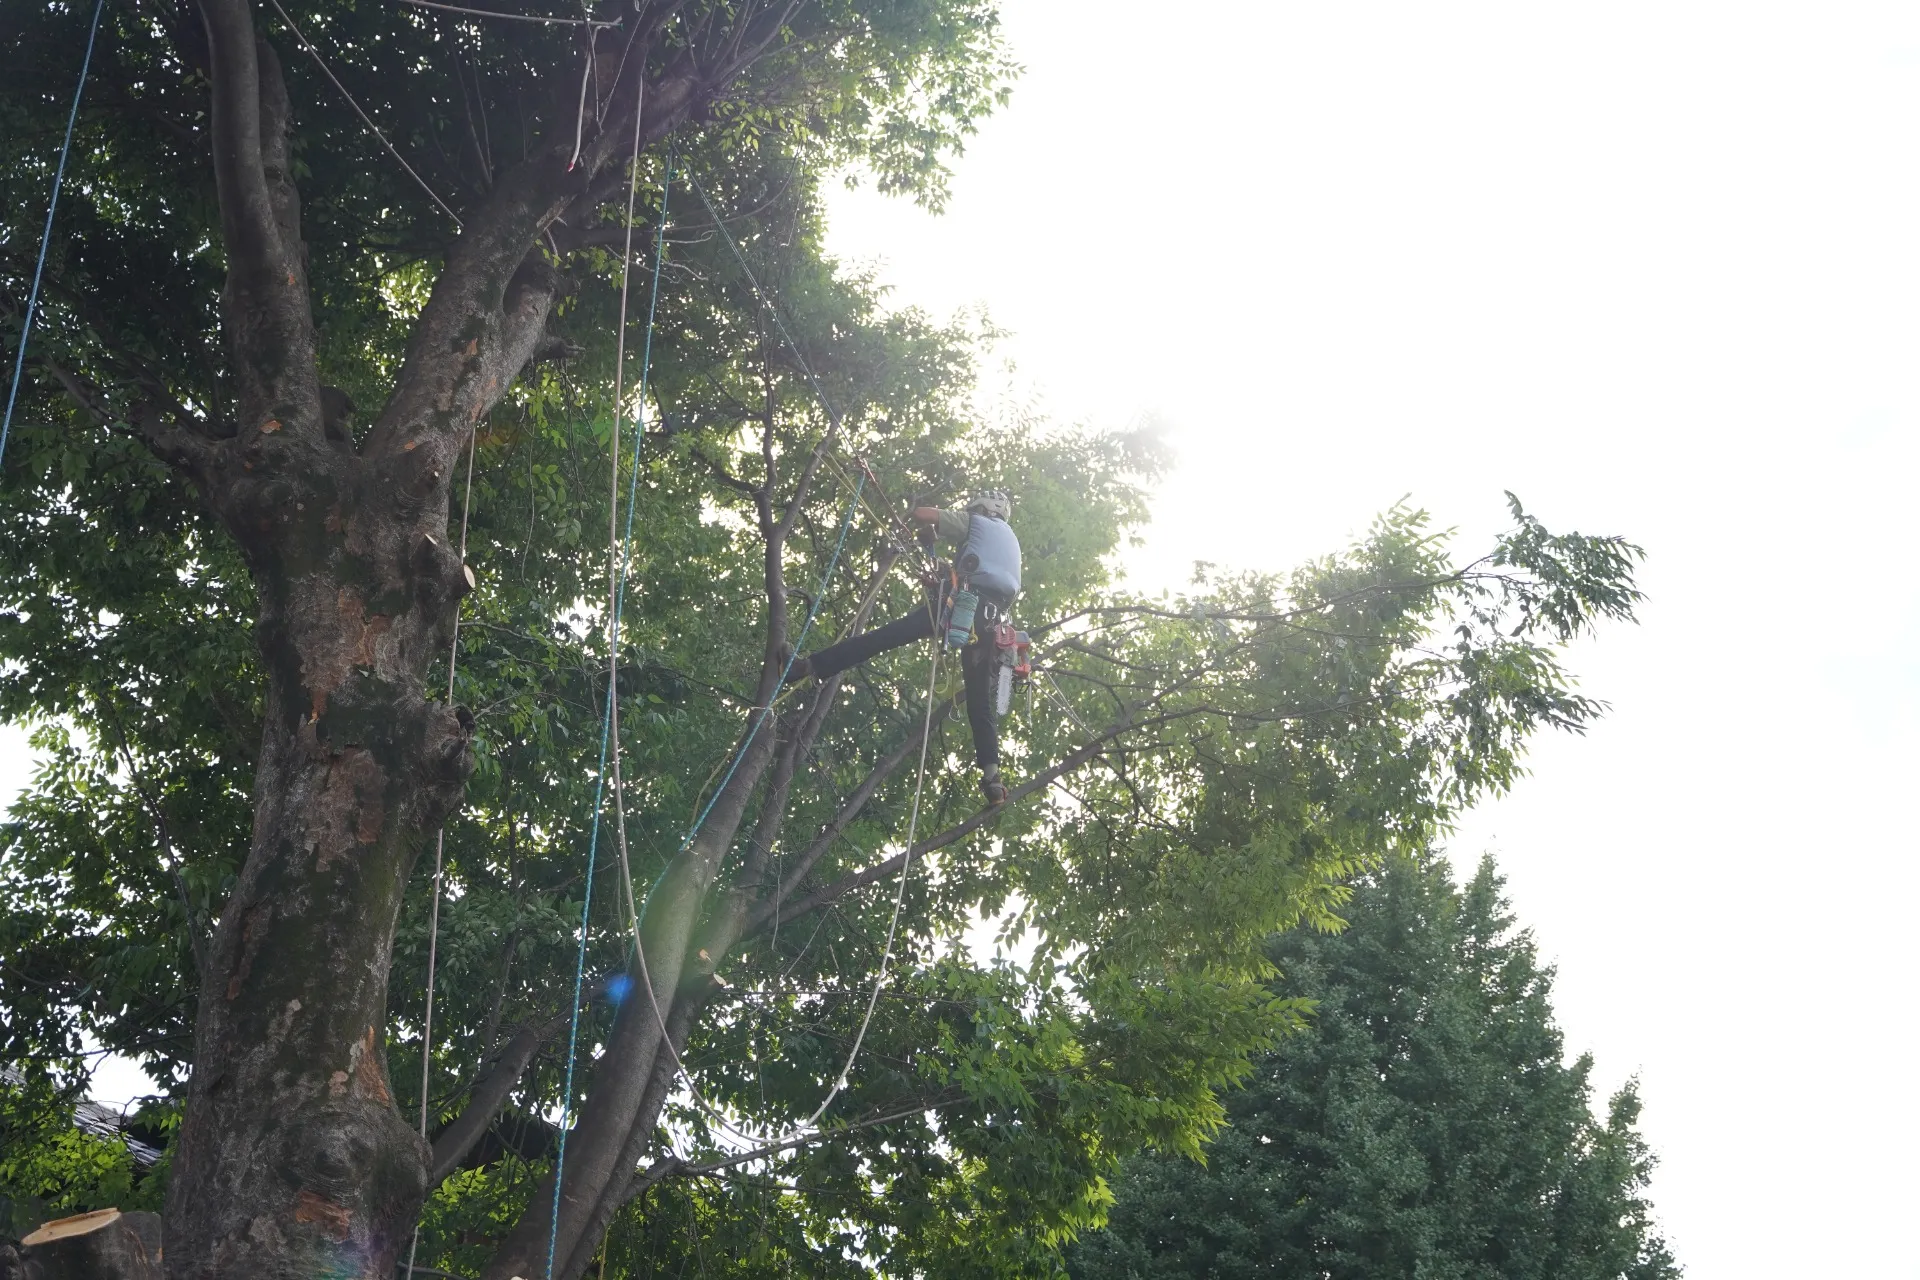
[
  {"x": 805, "y": 1129},
  {"x": 614, "y": 557},
  {"x": 580, "y": 134},
  {"x": 440, "y": 848},
  {"x": 364, "y": 118}
]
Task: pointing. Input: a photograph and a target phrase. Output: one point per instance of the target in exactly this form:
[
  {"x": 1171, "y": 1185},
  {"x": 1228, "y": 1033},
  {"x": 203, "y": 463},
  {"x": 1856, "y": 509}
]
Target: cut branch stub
[{"x": 103, "y": 1245}]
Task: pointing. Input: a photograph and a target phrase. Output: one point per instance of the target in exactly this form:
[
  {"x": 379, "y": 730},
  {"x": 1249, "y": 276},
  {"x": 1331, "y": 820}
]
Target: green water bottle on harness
[{"x": 960, "y": 618}]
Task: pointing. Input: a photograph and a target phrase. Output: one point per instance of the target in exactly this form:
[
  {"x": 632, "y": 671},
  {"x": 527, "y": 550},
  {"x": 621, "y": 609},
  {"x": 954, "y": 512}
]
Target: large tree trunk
[{"x": 292, "y": 1159}]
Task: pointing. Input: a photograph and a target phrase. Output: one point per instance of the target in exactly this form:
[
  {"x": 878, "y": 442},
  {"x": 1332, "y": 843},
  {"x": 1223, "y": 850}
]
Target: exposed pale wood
[
  {"x": 60, "y": 1228},
  {"x": 104, "y": 1245}
]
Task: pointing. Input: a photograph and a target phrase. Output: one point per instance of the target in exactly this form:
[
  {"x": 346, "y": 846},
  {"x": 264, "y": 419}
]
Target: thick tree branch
[
  {"x": 795, "y": 748},
  {"x": 81, "y": 391},
  {"x": 249, "y": 228},
  {"x": 269, "y": 326},
  {"x": 662, "y": 1076},
  {"x": 489, "y": 306},
  {"x": 857, "y": 801},
  {"x": 1203, "y": 614},
  {"x": 490, "y": 1092},
  {"x": 726, "y": 477}
]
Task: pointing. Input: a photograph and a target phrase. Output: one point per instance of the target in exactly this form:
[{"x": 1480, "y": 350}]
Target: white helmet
[{"x": 992, "y": 502}]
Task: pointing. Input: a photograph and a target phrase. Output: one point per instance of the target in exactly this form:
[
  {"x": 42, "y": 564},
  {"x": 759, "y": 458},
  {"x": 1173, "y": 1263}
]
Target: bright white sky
[{"x": 1656, "y": 268}]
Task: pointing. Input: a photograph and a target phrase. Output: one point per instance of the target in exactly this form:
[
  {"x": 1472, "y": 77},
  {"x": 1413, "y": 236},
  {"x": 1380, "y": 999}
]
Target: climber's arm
[{"x": 950, "y": 526}]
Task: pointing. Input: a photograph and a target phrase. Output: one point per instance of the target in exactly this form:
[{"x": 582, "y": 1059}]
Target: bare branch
[{"x": 726, "y": 477}]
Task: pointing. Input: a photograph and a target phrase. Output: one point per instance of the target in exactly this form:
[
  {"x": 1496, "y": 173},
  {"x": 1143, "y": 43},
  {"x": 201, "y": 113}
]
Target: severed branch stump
[{"x": 104, "y": 1245}]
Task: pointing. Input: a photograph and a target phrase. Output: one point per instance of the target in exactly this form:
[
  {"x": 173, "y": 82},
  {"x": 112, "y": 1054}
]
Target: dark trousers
[{"x": 976, "y": 665}]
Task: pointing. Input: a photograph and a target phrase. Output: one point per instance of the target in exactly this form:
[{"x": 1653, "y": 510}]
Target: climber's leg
[
  {"x": 976, "y": 664},
  {"x": 854, "y": 650}
]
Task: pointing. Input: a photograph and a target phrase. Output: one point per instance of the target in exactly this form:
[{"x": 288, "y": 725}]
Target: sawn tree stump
[{"x": 104, "y": 1245}]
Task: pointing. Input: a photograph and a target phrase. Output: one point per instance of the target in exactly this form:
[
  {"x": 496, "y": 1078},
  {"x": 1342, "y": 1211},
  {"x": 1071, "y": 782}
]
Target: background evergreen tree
[{"x": 1426, "y": 1127}]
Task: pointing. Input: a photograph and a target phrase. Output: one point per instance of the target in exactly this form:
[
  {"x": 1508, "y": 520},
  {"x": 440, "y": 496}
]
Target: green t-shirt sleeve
[{"x": 953, "y": 526}]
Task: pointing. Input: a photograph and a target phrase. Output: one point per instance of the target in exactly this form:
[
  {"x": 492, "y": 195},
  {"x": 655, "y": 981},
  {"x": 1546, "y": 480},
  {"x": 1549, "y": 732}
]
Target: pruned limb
[{"x": 104, "y": 1245}]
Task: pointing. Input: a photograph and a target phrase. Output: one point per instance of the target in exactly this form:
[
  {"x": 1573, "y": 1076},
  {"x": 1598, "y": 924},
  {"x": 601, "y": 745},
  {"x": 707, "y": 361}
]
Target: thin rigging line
[
  {"x": 440, "y": 845},
  {"x": 780, "y": 324},
  {"x": 646, "y": 978},
  {"x": 515, "y": 17},
  {"x": 616, "y": 586},
  {"x": 46, "y": 235},
  {"x": 364, "y": 118},
  {"x": 799, "y": 356},
  {"x": 906, "y": 873}
]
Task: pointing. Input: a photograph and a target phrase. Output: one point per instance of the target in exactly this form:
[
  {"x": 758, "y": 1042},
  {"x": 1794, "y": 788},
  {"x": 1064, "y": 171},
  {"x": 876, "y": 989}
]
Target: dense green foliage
[
  {"x": 1256, "y": 743},
  {"x": 1425, "y": 1126}
]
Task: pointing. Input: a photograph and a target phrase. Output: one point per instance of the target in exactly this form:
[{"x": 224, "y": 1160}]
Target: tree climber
[{"x": 987, "y": 568}]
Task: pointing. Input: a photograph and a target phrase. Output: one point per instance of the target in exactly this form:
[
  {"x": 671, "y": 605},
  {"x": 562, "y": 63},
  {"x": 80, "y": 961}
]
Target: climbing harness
[{"x": 46, "y": 234}]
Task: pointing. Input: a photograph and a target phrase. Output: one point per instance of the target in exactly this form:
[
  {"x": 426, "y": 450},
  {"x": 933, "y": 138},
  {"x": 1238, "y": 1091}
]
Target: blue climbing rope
[
  {"x": 606, "y": 725},
  {"x": 606, "y": 720},
  {"x": 46, "y": 235}
]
